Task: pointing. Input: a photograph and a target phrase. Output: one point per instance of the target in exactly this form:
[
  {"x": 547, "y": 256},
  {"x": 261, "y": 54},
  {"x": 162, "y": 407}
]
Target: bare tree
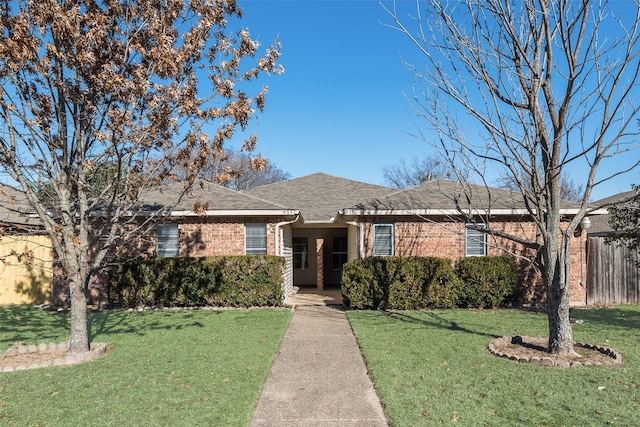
[
  {"x": 528, "y": 88},
  {"x": 240, "y": 170},
  {"x": 403, "y": 175},
  {"x": 108, "y": 86},
  {"x": 245, "y": 174},
  {"x": 570, "y": 189}
]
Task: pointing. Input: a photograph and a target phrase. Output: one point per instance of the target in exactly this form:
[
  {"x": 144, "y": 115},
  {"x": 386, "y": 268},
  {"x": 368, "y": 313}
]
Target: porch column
[{"x": 320, "y": 264}]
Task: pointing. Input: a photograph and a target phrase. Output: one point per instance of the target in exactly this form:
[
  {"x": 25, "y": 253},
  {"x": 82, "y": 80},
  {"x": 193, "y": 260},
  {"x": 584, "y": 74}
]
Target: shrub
[
  {"x": 399, "y": 283},
  {"x": 363, "y": 282},
  {"x": 487, "y": 282},
  {"x": 238, "y": 281},
  {"x": 248, "y": 281}
]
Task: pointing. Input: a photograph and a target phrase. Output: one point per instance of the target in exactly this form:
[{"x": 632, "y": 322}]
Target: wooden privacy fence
[
  {"x": 612, "y": 274},
  {"x": 26, "y": 269}
]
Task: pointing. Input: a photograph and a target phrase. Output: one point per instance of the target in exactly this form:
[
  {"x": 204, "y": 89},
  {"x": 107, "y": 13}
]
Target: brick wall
[
  {"x": 198, "y": 237},
  {"x": 446, "y": 239},
  {"x": 219, "y": 236},
  {"x": 320, "y": 263}
]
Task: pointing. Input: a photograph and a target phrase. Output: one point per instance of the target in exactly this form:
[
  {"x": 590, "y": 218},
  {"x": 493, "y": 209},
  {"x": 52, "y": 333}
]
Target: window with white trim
[
  {"x": 475, "y": 242},
  {"x": 339, "y": 252},
  {"x": 255, "y": 239},
  {"x": 382, "y": 239},
  {"x": 301, "y": 253},
  {"x": 167, "y": 244}
]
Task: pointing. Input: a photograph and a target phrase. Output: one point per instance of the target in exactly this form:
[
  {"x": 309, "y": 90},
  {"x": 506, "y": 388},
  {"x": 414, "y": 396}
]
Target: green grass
[
  {"x": 432, "y": 367},
  {"x": 188, "y": 368}
]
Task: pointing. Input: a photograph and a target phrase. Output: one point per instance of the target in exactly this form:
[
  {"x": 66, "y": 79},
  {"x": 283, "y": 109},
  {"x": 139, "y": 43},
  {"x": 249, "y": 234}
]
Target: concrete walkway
[{"x": 319, "y": 377}]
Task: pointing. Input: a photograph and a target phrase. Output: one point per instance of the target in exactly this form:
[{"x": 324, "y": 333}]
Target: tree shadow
[
  {"x": 435, "y": 322},
  {"x": 35, "y": 325},
  {"x": 38, "y": 287},
  {"x": 23, "y": 323},
  {"x": 624, "y": 317},
  {"x": 113, "y": 322}
]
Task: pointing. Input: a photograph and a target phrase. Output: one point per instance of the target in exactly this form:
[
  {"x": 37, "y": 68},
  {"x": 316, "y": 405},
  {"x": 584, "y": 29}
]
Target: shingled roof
[
  {"x": 214, "y": 200},
  {"x": 15, "y": 209},
  {"x": 319, "y": 196},
  {"x": 600, "y": 223},
  {"x": 441, "y": 196}
]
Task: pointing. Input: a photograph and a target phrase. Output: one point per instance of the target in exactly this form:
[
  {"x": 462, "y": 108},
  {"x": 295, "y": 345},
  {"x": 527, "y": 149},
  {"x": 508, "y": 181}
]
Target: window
[
  {"x": 339, "y": 255},
  {"x": 475, "y": 241},
  {"x": 255, "y": 239},
  {"x": 301, "y": 253},
  {"x": 167, "y": 240},
  {"x": 382, "y": 239}
]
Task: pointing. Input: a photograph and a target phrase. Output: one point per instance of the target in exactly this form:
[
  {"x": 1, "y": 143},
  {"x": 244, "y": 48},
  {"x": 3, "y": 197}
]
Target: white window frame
[
  {"x": 255, "y": 239},
  {"x": 377, "y": 233},
  {"x": 167, "y": 240},
  {"x": 473, "y": 239}
]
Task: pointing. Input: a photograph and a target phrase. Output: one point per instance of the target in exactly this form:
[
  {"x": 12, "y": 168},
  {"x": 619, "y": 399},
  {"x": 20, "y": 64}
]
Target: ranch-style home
[{"x": 319, "y": 222}]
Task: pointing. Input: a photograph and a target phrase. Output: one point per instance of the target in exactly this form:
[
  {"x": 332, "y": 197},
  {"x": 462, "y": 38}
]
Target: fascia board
[
  {"x": 218, "y": 213},
  {"x": 451, "y": 212},
  {"x": 258, "y": 212}
]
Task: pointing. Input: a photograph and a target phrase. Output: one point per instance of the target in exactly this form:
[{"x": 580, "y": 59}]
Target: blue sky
[{"x": 340, "y": 107}]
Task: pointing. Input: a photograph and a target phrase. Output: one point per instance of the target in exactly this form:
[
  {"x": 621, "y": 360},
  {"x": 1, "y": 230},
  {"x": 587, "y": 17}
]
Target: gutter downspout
[
  {"x": 278, "y": 252},
  {"x": 279, "y": 230}
]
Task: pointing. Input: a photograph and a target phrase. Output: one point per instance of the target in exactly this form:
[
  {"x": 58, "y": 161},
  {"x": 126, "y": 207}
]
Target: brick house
[{"x": 319, "y": 222}]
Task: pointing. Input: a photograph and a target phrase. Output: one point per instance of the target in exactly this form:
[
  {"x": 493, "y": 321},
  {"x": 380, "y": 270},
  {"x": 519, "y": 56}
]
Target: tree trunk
[
  {"x": 79, "y": 337},
  {"x": 560, "y": 331}
]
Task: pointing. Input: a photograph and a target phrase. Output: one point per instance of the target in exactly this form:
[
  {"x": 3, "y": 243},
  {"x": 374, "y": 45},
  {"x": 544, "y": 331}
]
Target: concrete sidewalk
[{"x": 319, "y": 377}]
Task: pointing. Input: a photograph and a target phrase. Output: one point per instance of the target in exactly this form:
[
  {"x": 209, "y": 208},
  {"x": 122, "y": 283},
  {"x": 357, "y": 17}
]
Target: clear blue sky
[{"x": 340, "y": 106}]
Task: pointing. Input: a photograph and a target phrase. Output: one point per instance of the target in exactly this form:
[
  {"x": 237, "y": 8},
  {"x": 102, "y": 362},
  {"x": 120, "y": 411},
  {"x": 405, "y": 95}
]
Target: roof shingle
[
  {"x": 211, "y": 196},
  {"x": 319, "y": 196}
]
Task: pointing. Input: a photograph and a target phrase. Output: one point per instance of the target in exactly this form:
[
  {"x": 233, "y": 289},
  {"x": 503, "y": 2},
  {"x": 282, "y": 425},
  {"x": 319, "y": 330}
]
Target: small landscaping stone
[
  {"x": 21, "y": 357},
  {"x": 546, "y": 361},
  {"x": 533, "y": 350}
]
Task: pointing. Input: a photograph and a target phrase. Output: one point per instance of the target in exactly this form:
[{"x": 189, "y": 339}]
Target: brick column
[{"x": 320, "y": 264}]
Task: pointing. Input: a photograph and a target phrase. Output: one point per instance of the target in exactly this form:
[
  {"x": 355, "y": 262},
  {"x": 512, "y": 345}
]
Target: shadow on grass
[
  {"x": 24, "y": 323},
  {"x": 29, "y": 324},
  {"x": 114, "y": 322},
  {"x": 435, "y": 321},
  {"x": 625, "y": 317}
]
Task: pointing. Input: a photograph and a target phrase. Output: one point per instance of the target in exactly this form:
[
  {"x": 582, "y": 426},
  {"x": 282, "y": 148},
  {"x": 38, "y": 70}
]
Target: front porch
[{"x": 314, "y": 296}]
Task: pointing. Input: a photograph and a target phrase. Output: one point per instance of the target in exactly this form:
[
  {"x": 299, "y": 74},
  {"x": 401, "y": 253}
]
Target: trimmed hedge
[
  {"x": 229, "y": 281},
  {"x": 488, "y": 281},
  {"x": 414, "y": 283},
  {"x": 401, "y": 283}
]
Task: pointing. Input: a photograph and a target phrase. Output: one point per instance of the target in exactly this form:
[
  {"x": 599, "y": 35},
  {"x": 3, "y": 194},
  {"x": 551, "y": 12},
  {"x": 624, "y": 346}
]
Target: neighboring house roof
[
  {"x": 319, "y": 196},
  {"x": 445, "y": 197},
  {"x": 210, "y": 199},
  {"x": 600, "y": 224},
  {"x": 15, "y": 209}
]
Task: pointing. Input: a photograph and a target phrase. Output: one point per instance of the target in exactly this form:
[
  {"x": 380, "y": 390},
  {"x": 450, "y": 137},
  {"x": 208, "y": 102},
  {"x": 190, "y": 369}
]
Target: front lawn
[
  {"x": 192, "y": 367},
  {"x": 432, "y": 367}
]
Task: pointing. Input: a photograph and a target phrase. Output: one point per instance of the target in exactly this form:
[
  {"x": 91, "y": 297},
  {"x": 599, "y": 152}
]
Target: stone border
[
  {"x": 614, "y": 355},
  {"x": 98, "y": 349}
]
